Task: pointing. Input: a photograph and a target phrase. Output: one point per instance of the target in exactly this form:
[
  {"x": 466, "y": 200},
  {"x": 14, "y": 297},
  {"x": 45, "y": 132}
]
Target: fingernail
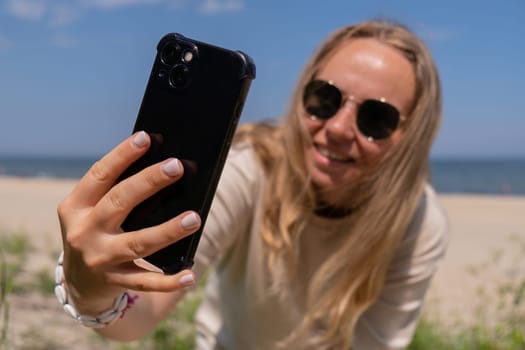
[
  {"x": 190, "y": 221},
  {"x": 141, "y": 139},
  {"x": 172, "y": 168},
  {"x": 187, "y": 280}
]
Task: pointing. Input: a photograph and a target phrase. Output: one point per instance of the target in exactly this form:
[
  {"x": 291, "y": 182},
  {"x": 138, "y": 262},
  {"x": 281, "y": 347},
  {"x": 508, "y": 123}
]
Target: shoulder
[
  {"x": 242, "y": 178},
  {"x": 426, "y": 239},
  {"x": 232, "y": 207},
  {"x": 242, "y": 153},
  {"x": 242, "y": 164},
  {"x": 429, "y": 220}
]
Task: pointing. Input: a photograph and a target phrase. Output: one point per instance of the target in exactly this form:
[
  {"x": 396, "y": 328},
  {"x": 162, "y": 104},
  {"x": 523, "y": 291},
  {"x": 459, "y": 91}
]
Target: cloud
[
  {"x": 59, "y": 14},
  {"x": 62, "y": 15},
  {"x": 212, "y": 7},
  {"x": 109, "y": 4},
  {"x": 26, "y": 9}
]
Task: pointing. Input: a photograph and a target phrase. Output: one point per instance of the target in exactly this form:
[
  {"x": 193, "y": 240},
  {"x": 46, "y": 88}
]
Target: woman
[{"x": 324, "y": 233}]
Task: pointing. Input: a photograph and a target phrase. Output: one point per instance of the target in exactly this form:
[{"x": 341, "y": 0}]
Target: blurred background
[
  {"x": 72, "y": 76},
  {"x": 73, "y": 71}
]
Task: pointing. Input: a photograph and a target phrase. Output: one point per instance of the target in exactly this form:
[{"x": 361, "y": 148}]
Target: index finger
[{"x": 104, "y": 173}]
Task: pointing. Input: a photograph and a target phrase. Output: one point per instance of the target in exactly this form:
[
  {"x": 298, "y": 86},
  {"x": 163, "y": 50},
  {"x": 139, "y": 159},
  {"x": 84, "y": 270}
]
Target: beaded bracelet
[{"x": 100, "y": 321}]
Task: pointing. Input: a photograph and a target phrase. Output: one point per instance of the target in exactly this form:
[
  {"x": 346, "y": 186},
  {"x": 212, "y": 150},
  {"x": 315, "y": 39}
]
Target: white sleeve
[
  {"x": 231, "y": 211},
  {"x": 390, "y": 322}
]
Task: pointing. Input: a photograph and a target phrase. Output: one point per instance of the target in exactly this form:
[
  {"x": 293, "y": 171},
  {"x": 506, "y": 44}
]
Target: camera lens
[
  {"x": 179, "y": 76},
  {"x": 170, "y": 53}
]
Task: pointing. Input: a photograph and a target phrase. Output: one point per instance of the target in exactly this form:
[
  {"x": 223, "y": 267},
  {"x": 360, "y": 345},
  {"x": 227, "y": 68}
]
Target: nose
[{"x": 342, "y": 126}]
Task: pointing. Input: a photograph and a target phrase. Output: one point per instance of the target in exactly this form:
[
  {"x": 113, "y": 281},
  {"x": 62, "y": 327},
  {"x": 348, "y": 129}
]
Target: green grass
[
  {"x": 45, "y": 282},
  {"x": 13, "y": 250},
  {"x": 500, "y": 319},
  {"x": 432, "y": 336},
  {"x": 4, "y": 306}
]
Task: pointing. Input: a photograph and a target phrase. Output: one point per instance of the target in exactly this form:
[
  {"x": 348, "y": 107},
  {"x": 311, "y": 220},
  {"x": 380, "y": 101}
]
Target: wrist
[
  {"x": 93, "y": 313},
  {"x": 92, "y": 304}
]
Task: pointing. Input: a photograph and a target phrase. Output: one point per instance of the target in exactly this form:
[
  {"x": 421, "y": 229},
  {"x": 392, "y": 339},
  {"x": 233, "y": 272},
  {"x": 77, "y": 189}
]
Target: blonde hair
[{"x": 346, "y": 284}]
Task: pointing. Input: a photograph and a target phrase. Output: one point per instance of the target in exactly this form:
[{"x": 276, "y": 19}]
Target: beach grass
[
  {"x": 13, "y": 249},
  {"x": 499, "y": 319},
  {"x": 508, "y": 333},
  {"x": 4, "y": 306},
  {"x": 498, "y": 322}
]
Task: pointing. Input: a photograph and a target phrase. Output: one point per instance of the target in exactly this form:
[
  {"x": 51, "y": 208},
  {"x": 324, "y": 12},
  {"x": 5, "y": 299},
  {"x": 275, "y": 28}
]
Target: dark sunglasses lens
[
  {"x": 377, "y": 119},
  {"x": 321, "y": 99}
]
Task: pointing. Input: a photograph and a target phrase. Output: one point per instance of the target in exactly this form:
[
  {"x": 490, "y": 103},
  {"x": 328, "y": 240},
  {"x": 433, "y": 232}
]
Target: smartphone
[{"x": 192, "y": 104}]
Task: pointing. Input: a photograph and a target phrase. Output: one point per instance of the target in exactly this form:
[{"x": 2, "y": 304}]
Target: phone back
[{"x": 191, "y": 107}]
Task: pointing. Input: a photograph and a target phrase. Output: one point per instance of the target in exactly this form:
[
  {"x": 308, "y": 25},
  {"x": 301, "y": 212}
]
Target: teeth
[{"x": 331, "y": 155}]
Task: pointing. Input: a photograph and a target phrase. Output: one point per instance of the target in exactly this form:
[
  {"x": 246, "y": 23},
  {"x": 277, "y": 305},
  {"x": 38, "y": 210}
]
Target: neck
[{"x": 329, "y": 211}]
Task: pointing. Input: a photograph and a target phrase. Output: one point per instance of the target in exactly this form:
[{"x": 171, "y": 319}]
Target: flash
[{"x": 188, "y": 56}]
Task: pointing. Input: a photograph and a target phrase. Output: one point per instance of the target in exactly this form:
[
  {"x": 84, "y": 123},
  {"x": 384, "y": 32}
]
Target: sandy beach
[{"x": 487, "y": 248}]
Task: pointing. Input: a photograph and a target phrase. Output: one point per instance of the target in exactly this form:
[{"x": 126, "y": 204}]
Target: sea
[{"x": 471, "y": 176}]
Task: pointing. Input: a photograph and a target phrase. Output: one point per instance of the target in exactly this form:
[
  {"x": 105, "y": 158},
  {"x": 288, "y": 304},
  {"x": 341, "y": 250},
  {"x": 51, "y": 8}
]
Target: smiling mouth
[{"x": 333, "y": 155}]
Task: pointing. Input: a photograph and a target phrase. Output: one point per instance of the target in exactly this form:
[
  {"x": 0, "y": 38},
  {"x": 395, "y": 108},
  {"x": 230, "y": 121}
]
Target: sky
[{"x": 72, "y": 72}]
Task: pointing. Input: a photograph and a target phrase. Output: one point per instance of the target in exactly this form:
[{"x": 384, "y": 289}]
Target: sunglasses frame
[{"x": 344, "y": 99}]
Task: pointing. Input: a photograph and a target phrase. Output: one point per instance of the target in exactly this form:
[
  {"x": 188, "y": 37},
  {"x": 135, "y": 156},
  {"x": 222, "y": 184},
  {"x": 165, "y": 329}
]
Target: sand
[
  {"x": 486, "y": 252},
  {"x": 487, "y": 248}
]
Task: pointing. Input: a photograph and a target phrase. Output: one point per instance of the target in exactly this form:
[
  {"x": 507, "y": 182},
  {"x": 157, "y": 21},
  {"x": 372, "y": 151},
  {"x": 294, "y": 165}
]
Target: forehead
[{"x": 368, "y": 68}]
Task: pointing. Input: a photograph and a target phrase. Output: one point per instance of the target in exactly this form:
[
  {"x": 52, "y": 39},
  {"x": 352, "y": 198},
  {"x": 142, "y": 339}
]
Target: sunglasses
[{"x": 376, "y": 119}]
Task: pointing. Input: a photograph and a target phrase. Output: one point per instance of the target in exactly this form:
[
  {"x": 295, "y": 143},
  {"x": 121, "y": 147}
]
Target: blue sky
[{"x": 73, "y": 71}]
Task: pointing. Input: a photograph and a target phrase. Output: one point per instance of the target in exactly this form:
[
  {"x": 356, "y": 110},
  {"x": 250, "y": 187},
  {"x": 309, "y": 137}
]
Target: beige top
[{"x": 239, "y": 312}]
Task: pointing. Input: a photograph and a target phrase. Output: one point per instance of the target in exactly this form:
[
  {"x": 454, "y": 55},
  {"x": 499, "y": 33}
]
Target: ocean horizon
[{"x": 448, "y": 175}]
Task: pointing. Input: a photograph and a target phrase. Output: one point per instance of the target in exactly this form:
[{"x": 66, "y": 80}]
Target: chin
[{"x": 332, "y": 183}]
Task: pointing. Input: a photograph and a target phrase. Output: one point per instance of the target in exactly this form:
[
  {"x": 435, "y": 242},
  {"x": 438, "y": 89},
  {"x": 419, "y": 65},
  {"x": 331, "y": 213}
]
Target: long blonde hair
[{"x": 346, "y": 284}]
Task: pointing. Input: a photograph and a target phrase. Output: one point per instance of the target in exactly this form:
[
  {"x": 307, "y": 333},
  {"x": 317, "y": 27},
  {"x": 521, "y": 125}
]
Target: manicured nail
[
  {"x": 141, "y": 139},
  {"x": 190, "y": 221},
  {"x": 172, "y": 168},
  {"x": 187, "y": 280}
]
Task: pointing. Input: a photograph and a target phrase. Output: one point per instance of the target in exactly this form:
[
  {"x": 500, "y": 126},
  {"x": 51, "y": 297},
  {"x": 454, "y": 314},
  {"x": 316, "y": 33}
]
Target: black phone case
[{"x": 191, "y": 107}]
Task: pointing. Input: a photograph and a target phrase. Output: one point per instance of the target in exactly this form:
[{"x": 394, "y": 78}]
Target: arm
[
  {"x": 98, "y": 256},
  {"x": 390, "y": 322},
  {"x": 147, "y": 310}
]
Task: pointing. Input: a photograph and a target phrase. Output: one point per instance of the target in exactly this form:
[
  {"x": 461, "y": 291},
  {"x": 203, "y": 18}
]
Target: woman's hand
[{"x": 98, "y": 256}]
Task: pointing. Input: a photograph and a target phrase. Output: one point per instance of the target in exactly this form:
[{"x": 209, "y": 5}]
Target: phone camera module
[
  {"x": 171, "y": 53},
  {"x": 187, "y": 56},
  {"x": 179, "y": 76}
]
